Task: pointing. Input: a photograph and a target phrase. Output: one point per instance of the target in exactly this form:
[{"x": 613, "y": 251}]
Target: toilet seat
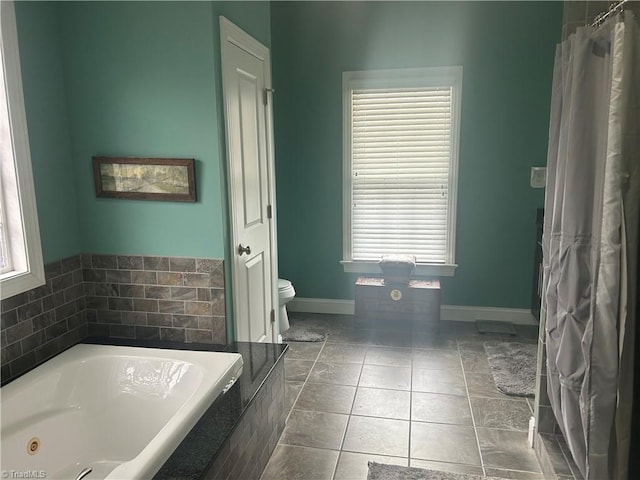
[{"x": 286, "y": 292}]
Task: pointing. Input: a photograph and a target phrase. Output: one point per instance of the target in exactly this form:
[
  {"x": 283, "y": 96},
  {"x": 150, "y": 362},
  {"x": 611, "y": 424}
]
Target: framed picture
[{"x": 168, "y": 179}]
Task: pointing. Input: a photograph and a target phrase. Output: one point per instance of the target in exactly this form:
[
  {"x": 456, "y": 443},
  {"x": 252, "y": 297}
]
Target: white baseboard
[{"x": 519, "y": 316}]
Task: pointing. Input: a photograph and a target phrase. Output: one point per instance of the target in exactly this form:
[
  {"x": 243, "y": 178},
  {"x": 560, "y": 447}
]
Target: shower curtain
[{"x": 590, "y": 242}]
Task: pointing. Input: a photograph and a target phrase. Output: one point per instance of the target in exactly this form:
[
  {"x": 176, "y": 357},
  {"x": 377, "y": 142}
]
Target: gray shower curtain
[{"x": 590, "y": 242}]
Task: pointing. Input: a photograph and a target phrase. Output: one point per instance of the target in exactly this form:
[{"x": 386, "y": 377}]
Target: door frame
[{"x": 232, "y": 34}]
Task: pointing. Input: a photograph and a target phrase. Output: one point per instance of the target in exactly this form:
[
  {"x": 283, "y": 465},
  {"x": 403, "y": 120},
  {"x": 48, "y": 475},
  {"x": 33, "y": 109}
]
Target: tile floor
[{"x": 403, "y": 394}]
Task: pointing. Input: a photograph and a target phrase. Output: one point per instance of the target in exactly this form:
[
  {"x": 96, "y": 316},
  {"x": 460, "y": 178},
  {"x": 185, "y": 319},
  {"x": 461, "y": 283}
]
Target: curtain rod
[{"x": 617, "y": 7}]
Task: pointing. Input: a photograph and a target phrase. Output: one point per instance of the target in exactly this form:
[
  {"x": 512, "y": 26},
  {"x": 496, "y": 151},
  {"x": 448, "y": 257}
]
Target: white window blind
[
  {"x": 401, "y": 160},
  {"x": 401, "y": 146}
]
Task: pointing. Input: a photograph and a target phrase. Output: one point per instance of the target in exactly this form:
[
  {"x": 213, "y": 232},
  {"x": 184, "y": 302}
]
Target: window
[
  {"x": 21, "y": 266},
  {"x": 400, "y": 167}
]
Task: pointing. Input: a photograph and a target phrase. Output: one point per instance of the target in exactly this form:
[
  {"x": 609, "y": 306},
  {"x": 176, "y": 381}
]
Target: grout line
[
  {"x": 335, "y": 467},
  {"x": 353, "y": 402},
  {"x": 346, "y": 427},
  {"x": 308, "y": 446},
  {"x": 473, "y": 418},
  {"x": 303, "y": 383},
  {"x": 375, "y": 454}
]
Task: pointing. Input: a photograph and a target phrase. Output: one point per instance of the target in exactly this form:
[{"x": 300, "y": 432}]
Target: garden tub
[{"x": 118, "y": 411}]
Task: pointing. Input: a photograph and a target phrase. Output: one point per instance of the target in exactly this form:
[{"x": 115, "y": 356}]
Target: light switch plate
[{"x": 538, "y": 177}]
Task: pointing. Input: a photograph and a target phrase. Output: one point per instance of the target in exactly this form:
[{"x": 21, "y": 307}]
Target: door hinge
[
  {"x": 265, "y": 95},
  {"x": 273, "y": 316},
  {"x": 269, "y": 211}
]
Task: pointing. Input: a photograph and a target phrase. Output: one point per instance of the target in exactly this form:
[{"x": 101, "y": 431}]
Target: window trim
[
  {"x": 24, "y": 246},
  {"x": 394, "y": 78}
]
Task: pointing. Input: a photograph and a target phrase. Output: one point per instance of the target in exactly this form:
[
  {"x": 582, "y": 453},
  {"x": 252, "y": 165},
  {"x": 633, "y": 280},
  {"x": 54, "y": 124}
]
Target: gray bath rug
[
  {"x": 513, "y": 366},
  {"x": 301, "y": 333},
  {"x": 381, "y": 471},
  {"x": 498, "y": 328}
]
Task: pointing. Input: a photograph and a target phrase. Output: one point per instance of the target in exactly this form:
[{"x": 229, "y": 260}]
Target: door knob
[{"x": 242, "y": 250}]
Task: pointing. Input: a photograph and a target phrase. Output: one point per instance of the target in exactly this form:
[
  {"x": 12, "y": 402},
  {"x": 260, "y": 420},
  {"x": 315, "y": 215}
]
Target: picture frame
[{"x": 164, "y": 179}]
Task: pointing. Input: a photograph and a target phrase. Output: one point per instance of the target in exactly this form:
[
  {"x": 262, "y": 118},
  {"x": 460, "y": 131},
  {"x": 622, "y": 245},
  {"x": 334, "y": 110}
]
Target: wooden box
[{"x": 419, "y": 300}]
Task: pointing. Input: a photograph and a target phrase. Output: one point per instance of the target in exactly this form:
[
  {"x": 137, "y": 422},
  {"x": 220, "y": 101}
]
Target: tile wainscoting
[
  {"x": 118, "y": 296},
  {"x": 246, "y": 452},
  {"x": 38, "y": 324},
  {"x": 155, "y": 298}
]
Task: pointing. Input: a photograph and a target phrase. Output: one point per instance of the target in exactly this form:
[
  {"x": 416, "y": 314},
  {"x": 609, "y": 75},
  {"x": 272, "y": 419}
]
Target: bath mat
[
  {"x": 301, "y": 333},
  {"x": 381, "y": 471},
  {"x": 513, "y": 366},
  {"x": 498, "y": 328}
]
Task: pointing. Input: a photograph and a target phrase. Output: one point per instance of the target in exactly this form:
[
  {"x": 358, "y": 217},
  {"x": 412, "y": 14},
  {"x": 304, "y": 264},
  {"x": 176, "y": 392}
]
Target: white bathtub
[{"x": 120, "y": 411}]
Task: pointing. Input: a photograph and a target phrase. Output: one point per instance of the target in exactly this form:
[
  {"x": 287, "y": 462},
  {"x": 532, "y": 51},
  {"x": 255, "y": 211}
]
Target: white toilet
[{"x": 285, "y": 295}]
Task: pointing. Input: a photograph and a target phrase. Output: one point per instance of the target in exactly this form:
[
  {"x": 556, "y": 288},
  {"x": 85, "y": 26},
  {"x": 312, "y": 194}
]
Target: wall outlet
[{"x": 538, "y": 177}]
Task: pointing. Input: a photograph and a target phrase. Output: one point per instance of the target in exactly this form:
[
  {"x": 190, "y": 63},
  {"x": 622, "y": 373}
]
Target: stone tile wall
[
  {"x": 163, "y": 298},
  {"x": 246, "y": 452},
  {"x": 158, "y": 298},
  {"x": 42, "y": 322}
]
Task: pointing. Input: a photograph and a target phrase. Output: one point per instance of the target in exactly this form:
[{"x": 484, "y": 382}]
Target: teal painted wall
[
  {"x": 142, "y": 81},
  {"x": 506, "y": 50},
  {"x": 145, "y": 81},
  {"x": 46, "y": 109}
]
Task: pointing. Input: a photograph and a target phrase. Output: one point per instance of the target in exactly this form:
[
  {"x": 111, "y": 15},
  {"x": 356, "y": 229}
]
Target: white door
[{"x": 246, "y": 81}]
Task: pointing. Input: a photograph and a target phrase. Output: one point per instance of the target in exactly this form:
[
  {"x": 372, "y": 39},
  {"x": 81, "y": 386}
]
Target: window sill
[
  {"x": 422, "y": 269},
  {"x": 12, "y": 283}
]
